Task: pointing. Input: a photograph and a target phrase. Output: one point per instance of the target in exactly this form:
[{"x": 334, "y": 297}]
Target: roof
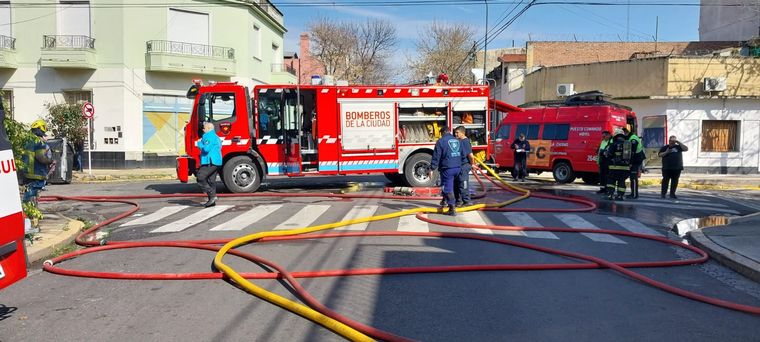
[
  {"x": 568, "y": 53},
  {"x": 513, "y": 58}
]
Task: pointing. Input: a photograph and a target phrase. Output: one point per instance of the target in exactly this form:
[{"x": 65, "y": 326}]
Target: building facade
[
  {"x": 738, "y": 22},
  {"x": 711, "y": 103},
  {"x": 134, "y": 62}
]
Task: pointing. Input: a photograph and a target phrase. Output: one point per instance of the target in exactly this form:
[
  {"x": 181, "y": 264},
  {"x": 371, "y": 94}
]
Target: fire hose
[{"x": 344, "y": 326}]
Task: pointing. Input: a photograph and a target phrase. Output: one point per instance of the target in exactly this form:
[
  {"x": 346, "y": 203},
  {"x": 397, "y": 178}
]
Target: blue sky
[{"x": 546, "y": 22}]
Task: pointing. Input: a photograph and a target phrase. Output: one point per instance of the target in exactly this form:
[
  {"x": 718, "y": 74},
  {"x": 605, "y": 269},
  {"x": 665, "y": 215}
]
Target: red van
[{"x": 564, "y": 136}]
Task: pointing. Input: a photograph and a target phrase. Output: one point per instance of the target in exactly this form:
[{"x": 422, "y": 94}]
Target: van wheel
[
  {"x": 240, "y": 174},
  {"x": 563, "y": 173},
  {"x": 590, "y": 178},
  {"x": 416, "y": 170}
]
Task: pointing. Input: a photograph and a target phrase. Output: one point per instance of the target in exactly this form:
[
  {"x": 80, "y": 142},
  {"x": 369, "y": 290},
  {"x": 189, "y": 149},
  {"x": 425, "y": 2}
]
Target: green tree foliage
[
  {"x": 19, "y": 135},
  {"x": 66, "y": 121}
]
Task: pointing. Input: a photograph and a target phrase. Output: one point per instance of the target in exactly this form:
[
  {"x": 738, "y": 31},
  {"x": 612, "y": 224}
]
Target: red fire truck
[
  {"x": 564, "y": 135},
  {"x": 12, "y": 252},
  {"x": 332, "y": 130}
]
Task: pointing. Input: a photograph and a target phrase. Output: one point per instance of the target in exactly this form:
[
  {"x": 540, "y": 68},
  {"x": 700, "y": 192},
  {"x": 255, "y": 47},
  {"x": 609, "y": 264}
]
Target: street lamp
[{"x": 485, "y": 46}]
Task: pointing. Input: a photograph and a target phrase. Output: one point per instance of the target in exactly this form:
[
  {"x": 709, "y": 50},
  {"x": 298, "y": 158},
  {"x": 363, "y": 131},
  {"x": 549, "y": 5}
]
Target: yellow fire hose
[{"x": 305, "y": 311}]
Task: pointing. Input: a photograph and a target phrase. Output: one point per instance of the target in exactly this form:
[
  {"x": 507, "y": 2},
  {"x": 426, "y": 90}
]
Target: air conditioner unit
[
  {"x": 714, "y": 84},
  {"x": 565, "y": 89}
]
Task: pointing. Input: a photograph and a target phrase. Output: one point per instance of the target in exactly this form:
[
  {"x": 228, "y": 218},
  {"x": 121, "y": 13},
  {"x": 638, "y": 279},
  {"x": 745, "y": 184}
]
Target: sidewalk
[
  {"x": 696, "y": 181},
  {"x": 55, "y": 233},
  {"x": 736, "y": 245},
  {"x": 123, "y": 175}
]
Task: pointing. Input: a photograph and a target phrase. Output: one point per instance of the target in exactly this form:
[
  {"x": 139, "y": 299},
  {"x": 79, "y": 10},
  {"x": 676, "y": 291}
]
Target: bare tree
[
  {"x": 444, "y": 48},
  {"x": 354, "y": 52}
]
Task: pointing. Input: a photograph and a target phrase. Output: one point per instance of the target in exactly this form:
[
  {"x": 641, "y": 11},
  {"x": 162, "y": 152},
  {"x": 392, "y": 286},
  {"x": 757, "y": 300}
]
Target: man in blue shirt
[
  {"x": 211, "y": 161},
  {"x": 462, "y": 190},
  {"x": 447, "y": 159}
]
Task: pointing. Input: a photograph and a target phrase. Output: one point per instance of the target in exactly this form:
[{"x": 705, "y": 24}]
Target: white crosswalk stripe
[
  {"x": 198, "y": 217},
  {"x": 633, "y": 225},
  {"x": 248, "y": 218},
  {"x": 159, "y": 214},
  {"x": 681, "y": 205},
  {"x": 359, "y": 211},
  {"x": 473, "y": 217},
  {"x": 410, "y": 223},
  {"x": 575, "y": 221},
  {"x": 304, "y": 217},
  {"x": 524, "y": 220}
]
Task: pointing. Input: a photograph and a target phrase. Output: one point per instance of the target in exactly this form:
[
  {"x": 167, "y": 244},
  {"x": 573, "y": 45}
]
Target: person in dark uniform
[
  {"x": 672, "y": 165},
  {"x": 462, "y": 189},
  {"x": 637, "y": 161},
  {"x": 447, "y": 159},
  {"x": 521, "y": 148},
  {"x": 603, "y": 162},
  {"x": 37, "y": 161},
  {"x": 211, "y": 161},
  {"x": 619, "y": 154}
]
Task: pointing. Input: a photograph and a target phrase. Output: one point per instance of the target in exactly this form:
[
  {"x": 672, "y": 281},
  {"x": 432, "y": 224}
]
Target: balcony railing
[
  {"x": 190, "y": 49},
  {"x": 7, "y": 43},
  {"x": 68, "y": 41},
  {"x": 280, "y": 67}
]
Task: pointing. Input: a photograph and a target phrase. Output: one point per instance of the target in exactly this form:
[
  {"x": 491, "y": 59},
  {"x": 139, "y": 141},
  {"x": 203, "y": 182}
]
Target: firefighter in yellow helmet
[{"x": 37, "y": 161}]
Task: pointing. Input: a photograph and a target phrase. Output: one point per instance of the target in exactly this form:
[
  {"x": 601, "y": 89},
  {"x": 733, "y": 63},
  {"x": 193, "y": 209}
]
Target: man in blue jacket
[
  {"x": 447, "y": 159},
  {"x": 211, "y": 161}
]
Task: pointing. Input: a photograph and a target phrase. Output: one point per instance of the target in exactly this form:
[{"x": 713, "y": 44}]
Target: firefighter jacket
[
  {"x": 600, "y": 158},
  {"x": 447, "y": 153},
  {"x": 637, "y": 147},
  {"x": 619, "y": 153},
  {"x": 36, "y": 160}
]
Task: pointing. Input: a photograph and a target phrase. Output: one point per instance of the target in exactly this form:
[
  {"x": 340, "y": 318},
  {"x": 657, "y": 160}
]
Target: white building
[{"x": 740, "y": 22}]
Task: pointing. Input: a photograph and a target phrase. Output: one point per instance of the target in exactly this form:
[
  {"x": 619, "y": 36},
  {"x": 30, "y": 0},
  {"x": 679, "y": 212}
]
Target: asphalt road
[{"x": 479, "y": 306}]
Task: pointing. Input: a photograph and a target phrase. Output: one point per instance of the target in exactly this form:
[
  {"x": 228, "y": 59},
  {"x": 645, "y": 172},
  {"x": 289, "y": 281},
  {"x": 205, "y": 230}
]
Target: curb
[
  {"x": 74, "y": 227},
  {"x": 739, "y": 263}
]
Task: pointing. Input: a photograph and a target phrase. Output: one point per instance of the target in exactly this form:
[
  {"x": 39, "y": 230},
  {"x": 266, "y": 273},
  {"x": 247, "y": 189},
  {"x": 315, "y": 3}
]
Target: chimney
[{"x": 304, "y": 44}]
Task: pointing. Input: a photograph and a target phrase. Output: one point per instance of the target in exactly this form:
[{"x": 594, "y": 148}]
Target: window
[
  {"x": 255, "y": 43},
  {"x": 7, "y": 95},
  {"x": 5, "y": 19},
  {"x": 74, "y": 18},
  {"x": 530, "y": 131},
  {"x": 720, "y": 136},
  {"x": 654, "y": 131},
  {"x": 187, "y": 27},
  {"x": 503, "y": 132},
  {"x": 216, "y": 107},
  {"x": 269, "y": 111},
  {"x": 76, "y": 96},
  {"x": 555, "y": 131}
]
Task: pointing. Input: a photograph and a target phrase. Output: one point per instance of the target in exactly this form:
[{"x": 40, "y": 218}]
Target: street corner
[{"x": 53, "y": 236}]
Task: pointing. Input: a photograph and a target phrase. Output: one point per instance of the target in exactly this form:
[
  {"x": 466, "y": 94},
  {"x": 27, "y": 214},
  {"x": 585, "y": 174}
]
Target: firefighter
[
  {"x": 37, "y": 161},
  {"x": 211, "y": 161},
  {"x": 637, "y": 160},
  {"x": 447, "y": 159},
  {"x": 462, "y": 189},
  {"x": 618, "y": 153},
  {"x": 521, "y": 149},
  {"x": 603, "y": 162}
]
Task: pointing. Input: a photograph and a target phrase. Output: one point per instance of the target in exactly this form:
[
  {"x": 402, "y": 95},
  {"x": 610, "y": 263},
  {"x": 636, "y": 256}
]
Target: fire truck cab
[
  {"x": 564, "y": 135},
  {"x": 12, "y": 250},
  {"x": 331, "y": 130}
]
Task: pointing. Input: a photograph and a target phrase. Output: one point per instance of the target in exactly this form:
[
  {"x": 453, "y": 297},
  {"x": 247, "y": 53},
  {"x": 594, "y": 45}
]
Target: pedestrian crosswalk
[{"x": 251, "y": 218}]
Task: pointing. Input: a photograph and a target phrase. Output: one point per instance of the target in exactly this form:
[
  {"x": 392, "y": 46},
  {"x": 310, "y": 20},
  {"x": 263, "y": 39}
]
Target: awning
[{"x": 503, "y": 106}]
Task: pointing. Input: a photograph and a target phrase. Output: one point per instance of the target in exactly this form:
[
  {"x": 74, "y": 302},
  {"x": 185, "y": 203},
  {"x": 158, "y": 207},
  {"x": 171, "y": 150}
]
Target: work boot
[
  {"x": 459, "y": 204},
  {"x": 631, "y": 197},
  {"x": 443, "y": 203},
  {"x": 619, "y": 197},
  {"x": 466, "y": 204},
  {"x": 452, "y": 211},
  {"x": 662, "y": 196},
  {"x": 673, "y": 196},
  {"x": 210, "y": 203},
  {"x": 602, "y": 191}
]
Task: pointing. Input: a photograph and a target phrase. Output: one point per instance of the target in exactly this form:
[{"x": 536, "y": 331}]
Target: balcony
[
  {"x": 68, "y": 52},
  {"x": 283, "y": 74},
  {"x": 8, "y": 53},
  {"x": 169, "y": 56}
]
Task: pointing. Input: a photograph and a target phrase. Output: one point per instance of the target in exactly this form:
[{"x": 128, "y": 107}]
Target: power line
[{"x": 376, "y": 3}]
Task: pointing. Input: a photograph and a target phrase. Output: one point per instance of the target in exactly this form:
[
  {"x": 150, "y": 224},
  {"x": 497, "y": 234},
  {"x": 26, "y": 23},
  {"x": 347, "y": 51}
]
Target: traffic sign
[{"x": 88, "y": 110}]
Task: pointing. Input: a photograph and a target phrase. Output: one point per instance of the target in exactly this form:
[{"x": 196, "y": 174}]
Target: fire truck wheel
[
  {"x": 416, "y": 170},
  {"x": 563, "y": 172},
  {"x": 240, "y": 174}
]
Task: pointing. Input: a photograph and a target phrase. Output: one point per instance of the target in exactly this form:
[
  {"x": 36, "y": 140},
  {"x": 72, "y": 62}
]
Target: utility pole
[{"x": 628, "y": 23}]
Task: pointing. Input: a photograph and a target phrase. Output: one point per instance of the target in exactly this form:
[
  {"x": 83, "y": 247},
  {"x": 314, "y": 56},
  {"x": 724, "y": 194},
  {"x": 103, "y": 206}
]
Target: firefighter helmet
[{"x": 39, "y": 124}]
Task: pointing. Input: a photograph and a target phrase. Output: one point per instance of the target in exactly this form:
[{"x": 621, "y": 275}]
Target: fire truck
[
  {"x": 12, "y": 252},
  {"x": 295, "y": 130}
]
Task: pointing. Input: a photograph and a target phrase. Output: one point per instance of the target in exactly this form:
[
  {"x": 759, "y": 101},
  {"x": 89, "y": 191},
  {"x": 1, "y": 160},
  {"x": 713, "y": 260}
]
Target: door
[
  {"x": 291, "y": 132},
  {"x": 502, "y": 152}
]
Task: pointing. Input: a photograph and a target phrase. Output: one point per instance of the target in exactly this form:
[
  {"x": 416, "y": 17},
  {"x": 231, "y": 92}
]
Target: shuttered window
[
  {"x": 5, "y": 19},
  {"x": 74, "y": 18},
  {"x": 187, "y": 27},
  {"x": 720, "y": 136}
]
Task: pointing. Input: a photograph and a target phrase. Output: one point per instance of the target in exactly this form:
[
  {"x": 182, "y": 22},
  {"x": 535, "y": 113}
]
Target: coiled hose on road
[{"x": 332, "y": 320}]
